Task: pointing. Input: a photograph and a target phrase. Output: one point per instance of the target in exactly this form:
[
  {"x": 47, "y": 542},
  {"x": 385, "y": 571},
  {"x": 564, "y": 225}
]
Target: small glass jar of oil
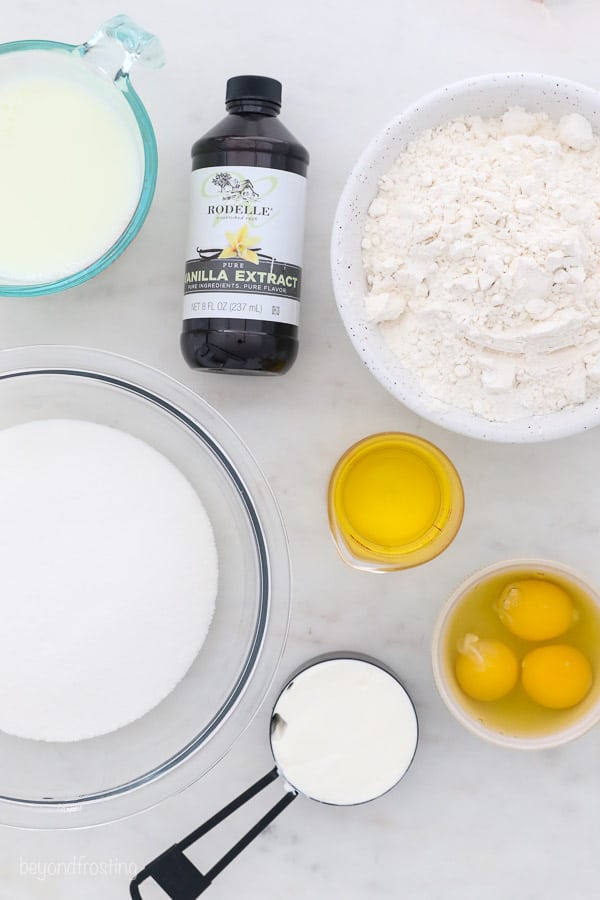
[
  {"x": 394, "y": 501},
  {"x": 516, "y": 654}
]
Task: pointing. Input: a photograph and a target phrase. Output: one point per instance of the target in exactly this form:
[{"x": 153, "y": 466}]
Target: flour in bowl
[
  {"x": 108, "y": 579},
  {"x": 482, "y": 256}
]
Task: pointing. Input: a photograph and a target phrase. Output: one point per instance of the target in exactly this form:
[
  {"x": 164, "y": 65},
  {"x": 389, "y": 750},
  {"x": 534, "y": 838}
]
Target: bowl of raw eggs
[{"x": 516, "y": 654}]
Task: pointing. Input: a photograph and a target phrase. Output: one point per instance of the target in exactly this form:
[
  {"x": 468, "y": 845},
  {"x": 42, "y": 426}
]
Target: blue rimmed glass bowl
[
  {"x": 109, "y": 55},
  {"x": 90, "y": 782}
]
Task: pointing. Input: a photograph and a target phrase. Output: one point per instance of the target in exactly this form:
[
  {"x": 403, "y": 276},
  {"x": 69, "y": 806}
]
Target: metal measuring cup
[{"x": 174, "y": 872}]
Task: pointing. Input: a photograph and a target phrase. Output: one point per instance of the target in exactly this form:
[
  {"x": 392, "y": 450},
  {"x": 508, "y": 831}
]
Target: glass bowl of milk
[
  {"x": 145, "y": 587},
  {"x": 78, "y": 159}
]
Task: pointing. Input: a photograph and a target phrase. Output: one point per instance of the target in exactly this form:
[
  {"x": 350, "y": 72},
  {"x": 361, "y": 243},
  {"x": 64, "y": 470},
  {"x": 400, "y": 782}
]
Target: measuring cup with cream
[
  {"x": 78, "y": 156},
  {"x": 343, "y": 731}
]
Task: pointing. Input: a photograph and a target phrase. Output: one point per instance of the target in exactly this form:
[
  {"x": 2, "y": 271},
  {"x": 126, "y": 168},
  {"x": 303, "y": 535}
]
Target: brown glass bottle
[{"x": 232, "y": 270}]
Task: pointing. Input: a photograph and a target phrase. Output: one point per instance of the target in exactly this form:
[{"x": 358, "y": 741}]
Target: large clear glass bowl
[{"x": 66, "y": 785}]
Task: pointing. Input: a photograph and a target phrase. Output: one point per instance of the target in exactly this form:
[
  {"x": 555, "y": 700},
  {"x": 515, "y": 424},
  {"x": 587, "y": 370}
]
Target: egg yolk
[
  {"x": 535, "y": 610},
  {"x": 485, "y": 669},
  {"x": 557, "y": 676}
]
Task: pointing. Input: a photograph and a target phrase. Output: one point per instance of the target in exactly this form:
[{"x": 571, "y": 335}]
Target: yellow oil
[
  {"x": 516, "y": 714},
  {"x": 395, "y": 496}
]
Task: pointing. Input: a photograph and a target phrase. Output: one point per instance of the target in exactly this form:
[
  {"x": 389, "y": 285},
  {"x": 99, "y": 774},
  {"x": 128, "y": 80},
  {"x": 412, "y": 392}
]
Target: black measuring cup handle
[{"x": 178, "y": 876}]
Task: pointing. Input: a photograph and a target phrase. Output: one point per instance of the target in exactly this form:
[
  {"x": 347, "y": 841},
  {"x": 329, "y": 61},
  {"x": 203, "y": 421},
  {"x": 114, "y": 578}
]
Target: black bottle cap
[{"x": 255, "y": 88}]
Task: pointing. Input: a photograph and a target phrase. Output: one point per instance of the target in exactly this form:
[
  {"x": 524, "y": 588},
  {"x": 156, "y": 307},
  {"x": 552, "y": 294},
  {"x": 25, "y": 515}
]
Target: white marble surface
[{"x": 470, "y": 820}]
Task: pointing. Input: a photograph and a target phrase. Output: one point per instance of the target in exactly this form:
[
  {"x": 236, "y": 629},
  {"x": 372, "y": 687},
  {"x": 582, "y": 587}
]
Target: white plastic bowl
[{"x": 486, "y": 95}]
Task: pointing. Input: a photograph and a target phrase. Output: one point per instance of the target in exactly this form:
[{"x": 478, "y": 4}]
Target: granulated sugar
[
  {"x": 108, "y": 579},
  {"x": 482, "y": 254}
]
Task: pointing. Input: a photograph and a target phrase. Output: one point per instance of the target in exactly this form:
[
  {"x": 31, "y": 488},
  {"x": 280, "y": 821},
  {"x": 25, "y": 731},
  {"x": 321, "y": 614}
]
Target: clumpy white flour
[
  {"x": 108, "y": 579},
  {"x": 482, "y": 255}
]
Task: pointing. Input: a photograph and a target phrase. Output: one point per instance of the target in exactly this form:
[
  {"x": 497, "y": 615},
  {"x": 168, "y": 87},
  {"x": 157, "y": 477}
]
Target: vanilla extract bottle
[{"x": 244, "y": 253}]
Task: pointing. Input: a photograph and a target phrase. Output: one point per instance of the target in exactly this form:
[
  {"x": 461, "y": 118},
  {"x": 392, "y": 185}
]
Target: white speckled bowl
[{"x": 486, "y": 95}]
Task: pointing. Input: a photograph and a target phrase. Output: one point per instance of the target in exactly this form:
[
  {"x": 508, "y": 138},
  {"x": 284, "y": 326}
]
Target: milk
[{"x": 71, "y": 166}]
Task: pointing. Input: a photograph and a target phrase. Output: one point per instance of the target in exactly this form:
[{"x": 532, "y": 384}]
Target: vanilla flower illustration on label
[
  {"x": 244, "y": 253},
  {"x": 241, "y": 245}
]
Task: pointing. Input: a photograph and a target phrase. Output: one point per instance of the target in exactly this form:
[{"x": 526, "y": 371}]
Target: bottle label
[{"x": 244, "y": 253}]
